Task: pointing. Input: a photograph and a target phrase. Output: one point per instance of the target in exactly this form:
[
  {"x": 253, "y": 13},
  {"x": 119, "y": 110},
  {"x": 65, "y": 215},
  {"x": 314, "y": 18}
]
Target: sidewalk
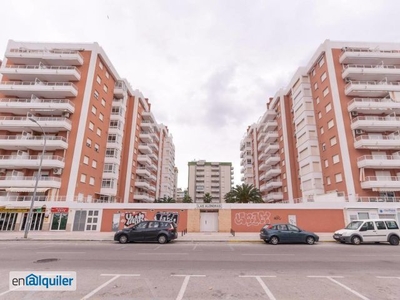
[{"x": 190, "y": 237}]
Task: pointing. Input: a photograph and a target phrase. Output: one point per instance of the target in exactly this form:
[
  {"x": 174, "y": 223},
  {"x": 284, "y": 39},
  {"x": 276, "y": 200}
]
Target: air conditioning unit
[
  {"x": 2, "y": 171},
  {"x": 354, "y": 114},
  {"x": 359, "y": 131},
  {"x": 66, "y": 114},
  {"x": 57, "y": 171}
]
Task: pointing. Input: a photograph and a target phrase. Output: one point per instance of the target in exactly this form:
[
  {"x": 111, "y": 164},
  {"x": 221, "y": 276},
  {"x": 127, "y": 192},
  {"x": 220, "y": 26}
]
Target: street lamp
[{"x": 30, "y": 214}]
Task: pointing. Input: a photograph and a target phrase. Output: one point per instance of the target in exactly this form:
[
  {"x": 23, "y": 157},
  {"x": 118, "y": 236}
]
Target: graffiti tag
[
  {"x": 253, "y": 218},
  {"x": 134, "y": 218},
  {"x": 167, "y": 216}
]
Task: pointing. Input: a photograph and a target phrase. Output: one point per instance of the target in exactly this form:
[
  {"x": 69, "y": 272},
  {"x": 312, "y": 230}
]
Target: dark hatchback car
[
  {"x": 286, "y": 233},
  {"x": 148, "y": 231}
]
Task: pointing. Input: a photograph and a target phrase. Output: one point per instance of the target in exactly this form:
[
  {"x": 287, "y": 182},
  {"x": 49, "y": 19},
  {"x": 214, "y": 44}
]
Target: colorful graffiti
[
  {"x": 134, "y": 218},
  {"x": 167, "y": 216},
  {"x": 252, "y": 219}
]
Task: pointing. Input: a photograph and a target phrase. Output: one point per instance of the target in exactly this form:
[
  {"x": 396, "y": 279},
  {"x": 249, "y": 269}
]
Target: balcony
[
  {"x": 379, "y": 161},
  {"x": 272, "y": 148},
  {"x": 143, "y": 172},
  {"x": 110, "y": 174},
  {"x": 154, "y": 146},
  {"x": 271, "y": 136},
  {"x": 31, "y": 161},
  {"x": 146, "y": 125},
  {"x": 381, "y": 183},
  {"x": 49, "y": 124},
  {"x": 376, "y": 124},
  {"x": 109, "y": 191},
  {"x": 377, "y": 142},
  {"x": 272, "y": 172},
  {"x": 29, "y": 182},
  {"x": 155, "y": 137},
  {"x": 260, "y": 135},
  {"x": 371, "y": 72},
  {"x": 25, "y": 89},
  {"x": 371, "y": 88},
  {"x": 269, "y": 115},
  {"x": 373, "y": 106},
  {"x": 43, "y": 106},
  {"x": 369, "y": 56},
  {"x": 143, "y": 184},
  {"x": 148, "y": 115},
  {"x": 276, "y": 196},
  {"x": 145, "y": 137},
  {"x": 52, "y": 57},
  {"x": 145, "y": 148},
  {"x": 42, "y": 72},
  {"x": 120, "y": 89},
  {"x": 261, "y": 146},
  {"x": 18, "y": 142},
  {"x": 272, "y": 160},
  {"x": 273, "y": 184},
  {"x": 140, "y": 196},
  {"x": 144, "y": 159},
  {"x": 270, "y": 126}
]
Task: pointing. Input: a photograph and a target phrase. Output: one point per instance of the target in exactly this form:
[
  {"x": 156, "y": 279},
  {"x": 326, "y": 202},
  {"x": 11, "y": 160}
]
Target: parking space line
[
  {"x": 120, "y": 248},
  {"x": 158, "y": 247},
  {"x": 195, "y": 246},
  {"x": 263, "y": 285},
  {"x": 388, "y": 277},
  {"x": 115, "y": 276},
  {"x": 184, "y": 284},
  {"x": 342, "y": 285}
]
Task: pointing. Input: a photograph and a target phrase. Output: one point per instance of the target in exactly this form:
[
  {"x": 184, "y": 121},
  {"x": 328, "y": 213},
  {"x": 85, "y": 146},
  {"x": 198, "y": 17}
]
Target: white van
[{"x": 369, "y": 231}]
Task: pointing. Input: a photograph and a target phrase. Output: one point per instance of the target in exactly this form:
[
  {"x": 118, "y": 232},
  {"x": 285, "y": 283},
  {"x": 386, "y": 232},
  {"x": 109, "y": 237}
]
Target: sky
[{"x": 207, "y": 67}]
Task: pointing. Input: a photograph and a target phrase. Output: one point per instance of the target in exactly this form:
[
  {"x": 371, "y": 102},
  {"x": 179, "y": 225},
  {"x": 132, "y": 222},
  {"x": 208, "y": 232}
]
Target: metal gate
[
  {"x": 37, "y": 221},
  {"x": 7, "y": 221}
]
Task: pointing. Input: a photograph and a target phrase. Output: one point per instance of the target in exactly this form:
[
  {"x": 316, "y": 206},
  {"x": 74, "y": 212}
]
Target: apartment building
[
  {"x": 65, "y": 108},
  {"x": 333, "y": 132},
  {"x": 167, "y": 165},
  {"x": 215, "y": 178}
]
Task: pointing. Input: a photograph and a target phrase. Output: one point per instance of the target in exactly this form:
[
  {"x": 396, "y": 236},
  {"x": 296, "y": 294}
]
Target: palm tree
[
  {"x": 165, "y": 199},
  {"x": 207, "y": 198},
  {"x": 187, "y": 198},
  {"x": 245, "y": 193}
]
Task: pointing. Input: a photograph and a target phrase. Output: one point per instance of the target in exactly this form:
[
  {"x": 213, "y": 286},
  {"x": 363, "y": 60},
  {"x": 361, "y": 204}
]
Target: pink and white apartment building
[{"x": 333, "y": 134}]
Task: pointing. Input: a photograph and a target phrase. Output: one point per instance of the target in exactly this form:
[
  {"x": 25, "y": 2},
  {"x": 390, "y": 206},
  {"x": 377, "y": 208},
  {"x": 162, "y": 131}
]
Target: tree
[
  {"x": 207, "y": 198},
  {"x": 187, "y": 198},
  {"x": 245, "y": 193},
  {"x": 165, "y": 199}
]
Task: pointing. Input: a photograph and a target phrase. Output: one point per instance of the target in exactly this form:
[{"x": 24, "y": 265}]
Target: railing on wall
[
  {"x": 184, "y": 231},
  {"x": 232, "y": 232}
]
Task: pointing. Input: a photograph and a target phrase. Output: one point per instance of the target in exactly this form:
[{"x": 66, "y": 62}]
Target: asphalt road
[{"x": 108, "y": 270}]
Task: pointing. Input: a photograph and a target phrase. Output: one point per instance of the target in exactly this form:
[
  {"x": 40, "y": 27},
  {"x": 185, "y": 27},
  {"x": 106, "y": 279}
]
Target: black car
[
  {"x": 148, "y": 231},
  {"x": 286, "y": 233}
]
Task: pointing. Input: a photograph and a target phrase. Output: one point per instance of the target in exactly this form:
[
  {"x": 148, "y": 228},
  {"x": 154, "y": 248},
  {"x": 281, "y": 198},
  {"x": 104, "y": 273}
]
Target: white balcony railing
[
  {"x": 379, "y": 161},
  {"x": 29, "y": 182},
  {"x": 50, "y": 124},
  {"x": 381, "y": 183},
  {"x": 38, "y": 88},
  {"x": 371, "y": 72},
  {"x": 16, "y": 142},
  {"x": 42, "y": 72},
  {"x": 23, "y": 106},
  {"x": 367, "y": 56},
  {"x": 53, "y": 57},
  {"x": 371, "y": 88},
  {"x": 383, "y": 142},
  {"x": 373, "y": 106},
  {"x": 376, "y": 124},
  {"x": 31, "y": 161}
]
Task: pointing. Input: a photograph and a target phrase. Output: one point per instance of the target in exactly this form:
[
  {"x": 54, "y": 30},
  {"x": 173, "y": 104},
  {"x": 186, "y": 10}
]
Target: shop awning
[{"x": 27, "y": 190}]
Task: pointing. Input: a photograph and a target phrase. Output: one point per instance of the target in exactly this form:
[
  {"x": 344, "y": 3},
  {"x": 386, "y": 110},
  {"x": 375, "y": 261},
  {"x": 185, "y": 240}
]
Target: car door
[
  {"x": 381, "y": 231},
  {"x": 151, "y": 232},
  {"x": 283, "y": 233},
  {"x": 294, "y": 234},
  {"x": 368, "y": 232},
  {"x": 136, "y": 234}
]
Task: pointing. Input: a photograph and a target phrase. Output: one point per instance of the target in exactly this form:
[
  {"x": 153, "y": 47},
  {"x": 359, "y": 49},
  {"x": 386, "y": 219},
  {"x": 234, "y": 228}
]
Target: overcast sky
[{"x": 207, "y": 67}]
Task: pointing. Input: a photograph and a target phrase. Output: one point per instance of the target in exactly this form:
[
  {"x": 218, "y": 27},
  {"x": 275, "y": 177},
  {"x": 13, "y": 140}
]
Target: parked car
[
  {"x": 365, "y": 231},
  {"x": 286, "y": 233},
  {"x": 148, "y": 231}
]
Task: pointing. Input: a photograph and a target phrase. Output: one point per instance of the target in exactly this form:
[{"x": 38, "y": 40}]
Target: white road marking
[
  {"x": 231, "y": 248},
  {"x": 115, "y": 276},
  {"x": 174, "y": 253},
  {"x": 342, "y": 285},
  {"x": 195, "y": 246},
  {"x": 372, "y": 255},
  {"x": 120, "y": 248},
  {"x": 388, "y": 277},
  {"x": 6, "y": 292},
  {"x": 268, "y": 254},
  {"x": 157, "y": 247},
  {"x": 263, "y": 285},
  {"x": 58, "y": 252},
  {"x": 184, "y": 284}
]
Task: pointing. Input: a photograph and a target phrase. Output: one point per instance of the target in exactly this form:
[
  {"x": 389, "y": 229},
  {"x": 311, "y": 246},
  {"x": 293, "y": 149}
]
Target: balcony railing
[
  {"x": 18, "y": 83},
  {"x": 376, "y": 124},
  {"x": 377, "y": 142},
  {"x": 371, "y": 88},
  {"x": 73, "y": 57},
  {"x": 379, "y": 161},
  {"x": 373, "y": 105},
  {"x": 378, "y": 199},
  {"x": 381, "y": 182}
]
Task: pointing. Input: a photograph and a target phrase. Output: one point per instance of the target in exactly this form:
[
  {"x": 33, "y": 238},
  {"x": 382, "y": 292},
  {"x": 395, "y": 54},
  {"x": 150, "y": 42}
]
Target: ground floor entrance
[{"x": 209, "y": 221}]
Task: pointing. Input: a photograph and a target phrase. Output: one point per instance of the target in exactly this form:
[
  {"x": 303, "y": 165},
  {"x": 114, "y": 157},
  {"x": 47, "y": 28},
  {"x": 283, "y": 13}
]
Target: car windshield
[{"x": 354, "y": 225}]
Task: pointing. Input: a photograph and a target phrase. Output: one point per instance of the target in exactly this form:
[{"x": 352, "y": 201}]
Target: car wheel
[
  {"x": 162, "y": 239},
  {"x": 310, "y": 240},
  {"x": 274, "y": 240},
  {"x": 355, "y": 240},
  {"x": 123, "y": 239},
  {"x": 394, "y": 240}
]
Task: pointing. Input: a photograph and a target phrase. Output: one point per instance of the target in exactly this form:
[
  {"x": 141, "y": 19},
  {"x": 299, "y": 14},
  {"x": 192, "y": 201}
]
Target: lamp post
[{"x": 30, "y": 214}]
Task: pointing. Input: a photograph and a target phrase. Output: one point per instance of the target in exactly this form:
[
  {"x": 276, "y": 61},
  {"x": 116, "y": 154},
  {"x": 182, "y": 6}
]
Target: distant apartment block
[
  {"x": 100, "y": 140},
  {"x": 215, "y": 178},
  {"x": 333, "y": 132}
]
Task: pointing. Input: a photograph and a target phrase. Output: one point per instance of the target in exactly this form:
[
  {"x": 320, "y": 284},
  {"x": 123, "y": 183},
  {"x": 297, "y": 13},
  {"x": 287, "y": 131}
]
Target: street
[{"x": 108, "y": 270}]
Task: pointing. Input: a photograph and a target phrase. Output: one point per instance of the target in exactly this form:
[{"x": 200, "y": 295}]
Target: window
[
  {"x": 333, "y": 141},
  {"x": 101, "y": 117},
  {"x": 86, "y": 160},
  {"x": 89, "y": 143},
  {"x": 83, "y": 178},
  {"x": 328, "y": 180},
  {"x": 328, "y": 107},
  {"x": 323, "y": 147},
  {"x": 91, "y": 180},
  {"x": 103, "y": 102},
  {"x": 315, "y": 86},
  {"x": 363, "y": 215},
  {"x": 131, "y": 189},
  {"x": 321, "y": 62},
  {"x": 331, "y": 123},
  {"x": 98, "y": 79},
  {"x": 321, "y": 130},
  {"x": 107, "y": 75},
  {"x": 96, "y": 94},
  {"x": 319, "y": 115},
  {"x": 326, "y": 91},
  {"x": 105, "y": 88},
  {"x": 96, "y": 147},
  {"x": 101, "y": 65},
  {"x": 94, "y": 163},
  {"x": 391, "y": 225},
  {"x": 326, "y": 163},
  {"x": 380, "y": 225},
  {"x": 335, "y": 159},
  {"x": 323, "y": 77},
  {"x": 98, "y": 131},
  {"x": 91, "y": 126},
  {"x": 338, "y": 177},
  {"x": 317, "y": 100},
  {"x": 313, "y": 72},
  {"x": 284, "y": 176},
  {"x": 94, "y": 110}
]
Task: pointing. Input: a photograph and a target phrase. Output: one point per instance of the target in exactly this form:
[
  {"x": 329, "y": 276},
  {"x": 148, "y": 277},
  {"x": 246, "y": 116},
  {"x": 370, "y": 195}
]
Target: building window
[
  {"x": 103, "y": 102},
  {"x": 328, "y": 107},
  {"x": 328, "y": 180},
  {"x": 338, "y": 177},
  {"x": 326, "y": 163},
  {"x": 321, "y": 130},
  {"x": 100, "y": 65},
  {"x": 326, "y": 91},
  {"x": 91, "y": 180},
  {"x": 323, "y": 147},
  {"x": 89, "y": 143},
  {"x": 83, "y": 178},
  {"x": 319, "y": 115},
  {"x": 321, "y": 62},
  {"x": 101, "y": 117},
  {"x": 98, "y": 79},
  {"x": 96, "y": 147},
  {"x": 315, "y": 86},
  {"x": 96, "y": 94},
  {"x": 284, "y": 176},
  {"x": 335, "y": 159},
  {"x": 94, "y": 164},
  {"x": 98, "y": 131},
  {"x": 331, "y": 123},
  {"x": 86, "y": 160},
  {"x": 131, "y": 190},
  {"x": 317, "y": 100},
  {"x": 91, "y": 126},
  {"x": 107, "y": 75},
  {"x": 323, "y": 77},
  {"x": 105, "y": 88},
  {"x": 313, "y": 72},
  {"x": 333, "y": 141}
]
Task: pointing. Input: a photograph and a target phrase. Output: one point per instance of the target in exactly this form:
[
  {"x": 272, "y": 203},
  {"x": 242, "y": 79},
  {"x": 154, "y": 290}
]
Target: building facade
[
  {"x": 65, "y": 108},
  {"x": 333, "y": 132},
  {"x": 215, "y": 178}
]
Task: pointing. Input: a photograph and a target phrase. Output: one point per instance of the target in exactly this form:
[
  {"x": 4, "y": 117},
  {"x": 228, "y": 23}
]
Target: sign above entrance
[
  {"x": 387, "y": 211},
  {"x": 209, "y": 205},
  {"x": 59, "y": 209}
]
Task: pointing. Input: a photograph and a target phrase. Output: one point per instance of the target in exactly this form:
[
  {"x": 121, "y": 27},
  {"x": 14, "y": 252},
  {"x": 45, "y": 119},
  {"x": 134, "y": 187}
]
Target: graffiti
[
  {"x": 252, "y": 219},
  {"x": 134, "y": 218},
  {"x": 167, "y": 216},
  {"x": 278, "y": 218}
]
